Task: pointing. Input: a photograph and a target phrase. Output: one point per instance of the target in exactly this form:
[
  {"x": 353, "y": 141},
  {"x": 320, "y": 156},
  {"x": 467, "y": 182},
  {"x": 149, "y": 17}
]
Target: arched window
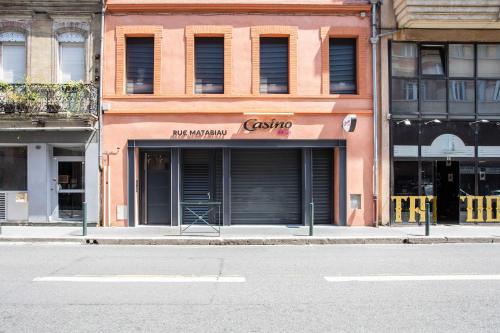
[
  {"x": 12, "y": 56},
  {"x": 71, "y": 57}
]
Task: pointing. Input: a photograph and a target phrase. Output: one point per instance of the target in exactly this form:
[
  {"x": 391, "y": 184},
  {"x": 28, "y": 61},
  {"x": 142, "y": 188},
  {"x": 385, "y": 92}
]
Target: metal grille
[{"x": 3, "y": 206}]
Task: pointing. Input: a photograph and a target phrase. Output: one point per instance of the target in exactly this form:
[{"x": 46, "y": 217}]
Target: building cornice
[{"x": 236, "y": 8}]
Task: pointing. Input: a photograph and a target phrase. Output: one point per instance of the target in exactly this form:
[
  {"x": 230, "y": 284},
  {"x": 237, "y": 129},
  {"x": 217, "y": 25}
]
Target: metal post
[
  {"x": 84, "y": 222},
  {"x": 428, "y": 218},
  {"x": 311, "y": 220}
]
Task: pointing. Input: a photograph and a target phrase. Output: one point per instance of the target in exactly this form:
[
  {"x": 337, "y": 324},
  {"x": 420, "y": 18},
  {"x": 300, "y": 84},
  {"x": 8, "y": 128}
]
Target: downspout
[
  {"x": 100, "y": 205},
  {"x": 374, "y": 41}
]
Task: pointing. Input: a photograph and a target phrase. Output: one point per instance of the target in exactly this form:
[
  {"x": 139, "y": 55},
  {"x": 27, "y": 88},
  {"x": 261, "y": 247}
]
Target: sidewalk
[{"x": 255, "y": 235}]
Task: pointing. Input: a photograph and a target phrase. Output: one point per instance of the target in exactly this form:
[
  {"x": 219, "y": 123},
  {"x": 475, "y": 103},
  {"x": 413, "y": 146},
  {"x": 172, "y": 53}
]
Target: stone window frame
[
  {"x": 13, "y": 26},
  {"x": 87, "y": 51},
  {"x": 362, "y": 57},
  {"x": 291, "y": 32},
  {"x": 193, "y": 31},
  {"x": 122, "y": 32}
]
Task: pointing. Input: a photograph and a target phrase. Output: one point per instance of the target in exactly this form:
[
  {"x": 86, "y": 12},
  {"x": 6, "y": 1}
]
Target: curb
[{"x": 252, "y": 241}]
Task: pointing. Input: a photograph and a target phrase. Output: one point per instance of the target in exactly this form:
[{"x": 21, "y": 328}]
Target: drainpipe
[
  {"x": 374, "y": 41},
  {"x": 100, "y": 205}
]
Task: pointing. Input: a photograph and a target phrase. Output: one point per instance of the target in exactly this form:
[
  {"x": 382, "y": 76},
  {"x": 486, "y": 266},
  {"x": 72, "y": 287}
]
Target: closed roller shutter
[
  {"x": 209, "y": 65},
  {"x": 322, "y": 185},
  {"x": 265, "y": 186},
  {"x": 201, "y": 181},
  {"x": 343, "y": 66},
  {"x": 273, "y": 65}
]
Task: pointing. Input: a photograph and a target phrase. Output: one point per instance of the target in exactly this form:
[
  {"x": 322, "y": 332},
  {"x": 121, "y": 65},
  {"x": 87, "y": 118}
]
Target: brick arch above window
[
  {"x": 362, "y": 57},
  {"x": 123, "y": 32}
]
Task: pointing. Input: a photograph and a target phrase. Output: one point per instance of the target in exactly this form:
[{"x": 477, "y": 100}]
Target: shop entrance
[
  {"x": 155, "y": 187},
  {"x": 448, "y": 191}
]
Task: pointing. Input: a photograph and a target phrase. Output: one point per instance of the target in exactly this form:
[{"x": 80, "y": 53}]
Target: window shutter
[
  {"x": 140, "y": 65},
  {"x": 209, "y": 65},
  {"x": 72, "y": 62},
  {"x": 13, "y": 62},
  {"x": 343, "y": 66},
  {"x": 273, "y": 65}
]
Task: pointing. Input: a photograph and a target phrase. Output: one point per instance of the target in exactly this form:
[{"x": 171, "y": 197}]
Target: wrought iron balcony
[
  {"x": 450, "y": 14},
  {"x": 72, "y": 99}
]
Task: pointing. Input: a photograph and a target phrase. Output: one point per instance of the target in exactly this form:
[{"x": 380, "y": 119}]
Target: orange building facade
[{"x": 235, "y": 111}]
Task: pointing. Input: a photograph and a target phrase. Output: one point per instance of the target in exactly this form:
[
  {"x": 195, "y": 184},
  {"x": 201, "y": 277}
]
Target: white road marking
[
  {"x": 389, "y": 278},
  {"x": 142, "y": 278}
]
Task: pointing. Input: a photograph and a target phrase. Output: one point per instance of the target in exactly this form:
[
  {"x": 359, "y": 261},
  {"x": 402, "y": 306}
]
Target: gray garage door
[{"x": 266, "y": 186}]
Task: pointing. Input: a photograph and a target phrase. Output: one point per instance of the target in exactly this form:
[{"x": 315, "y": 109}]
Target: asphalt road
[{"x": 410, "y": 288}]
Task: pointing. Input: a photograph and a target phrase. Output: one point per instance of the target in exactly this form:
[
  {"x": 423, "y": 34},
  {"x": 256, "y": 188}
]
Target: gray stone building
[
  {"x": 49, "y": 74},
  {"x": 439, "y": 72}
]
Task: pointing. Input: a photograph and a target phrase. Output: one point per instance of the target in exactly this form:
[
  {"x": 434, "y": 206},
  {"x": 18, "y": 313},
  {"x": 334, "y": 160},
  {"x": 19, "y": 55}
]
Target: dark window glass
[
  {"x": 70, "y": 205},
  {"x": 70, "y": 176},
  {"x": 488, "y": 95},
  {"x": 427, "y": 178},
  {"x": 140, "y": 65},
  {"x": 488, "y": 62},
  {"x": 432, "y": 60},
  {"x": 209, "y": 65},
  {"x": 273, "y": 65},
  {"x": 404, "y": 96},
  {"x": 405, "y": 139},
  {"x": 342, "y": 66},
  {"x": 461, "y": 60},
  {"x": 68, "y": 151},
  {"x": 13, "y": 168},
  {"x": 489, "y": 178},
  {"x": 405, "y": 183},
  {"x": 433, "y": 96},
  {"x": 489, "y": 140},
  {"x": 404, "y": 59},
  {"x": 448, "y": 139},
  {"x": 461, "y": 97},
  {"x": 467, "y": 185}
]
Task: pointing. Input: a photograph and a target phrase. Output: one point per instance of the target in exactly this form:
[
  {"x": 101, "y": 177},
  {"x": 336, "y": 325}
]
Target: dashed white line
[
  {"x": 142, "y": 279},
  {"x": 390, "y": 278}
]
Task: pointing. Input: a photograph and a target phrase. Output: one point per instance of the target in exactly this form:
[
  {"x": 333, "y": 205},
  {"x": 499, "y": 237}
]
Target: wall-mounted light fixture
[
  {"x": 433, "y": 121},
  {"x": 480, "y": 121},
  {"x": 407, "y": 122}
]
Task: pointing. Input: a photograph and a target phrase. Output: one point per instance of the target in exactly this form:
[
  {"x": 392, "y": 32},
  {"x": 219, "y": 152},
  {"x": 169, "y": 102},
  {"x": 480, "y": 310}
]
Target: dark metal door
[
  {"x": 322, "y": 185},
  {"x": 155, "y": 187},
  {"x": 201, "y": 181},
  {"x": 266, "y": 186},
  {"x": 448, "y": 189}
]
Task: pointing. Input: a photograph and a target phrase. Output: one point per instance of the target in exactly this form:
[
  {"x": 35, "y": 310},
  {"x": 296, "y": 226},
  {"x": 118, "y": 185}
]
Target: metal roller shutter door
[
  {"x": 266, "y": 186},
  {"x": 201, "y": 174},
  {"x": 322, "y": 185}
]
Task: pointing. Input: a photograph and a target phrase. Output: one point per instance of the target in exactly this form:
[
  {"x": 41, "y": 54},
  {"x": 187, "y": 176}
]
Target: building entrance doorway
[
  {"x": 155, "y": 187},
  {"x": 447, "y": 191}
]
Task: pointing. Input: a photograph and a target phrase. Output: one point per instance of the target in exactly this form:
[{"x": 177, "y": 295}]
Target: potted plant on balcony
[
  {"x": 53, "y": 104},
  {"x": 72, "y": 93},
  {"x": 5, "y": 92}
]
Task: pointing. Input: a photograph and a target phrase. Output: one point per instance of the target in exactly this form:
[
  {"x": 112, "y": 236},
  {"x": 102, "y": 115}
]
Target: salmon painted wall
[{"x": 315, "y": 115}]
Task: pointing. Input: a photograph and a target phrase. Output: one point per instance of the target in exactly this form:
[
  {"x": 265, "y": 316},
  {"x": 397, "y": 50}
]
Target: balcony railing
[{"x": 77, "y": 99}]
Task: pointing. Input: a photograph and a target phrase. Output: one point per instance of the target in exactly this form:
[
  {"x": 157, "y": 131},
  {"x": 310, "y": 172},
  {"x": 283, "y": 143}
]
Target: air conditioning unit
[{"x": 3, "y": 206}]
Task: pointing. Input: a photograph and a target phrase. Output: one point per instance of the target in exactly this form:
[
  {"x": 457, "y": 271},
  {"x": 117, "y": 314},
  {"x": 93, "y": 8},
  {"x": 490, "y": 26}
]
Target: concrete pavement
[
  {"x": 284, "y": 288},
  {"x": 255, "y": 235}
]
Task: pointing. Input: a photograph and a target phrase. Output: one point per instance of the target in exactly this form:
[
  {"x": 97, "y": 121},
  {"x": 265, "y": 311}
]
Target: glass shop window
[
  {"x": 489, "y": 178},
  {"x": 404, "y": 59},
  {"x": 489, "y": 140},
  {"x": 405, "y": 183},
  {"x": 433, "y": 60},
  {"x": 461, "y": 97},
  {"x": 461, "y": 60},
  {"x": 488, "y": 62},
  {"x": 467, "y": 185},
  {"x": 404, "y": 96},
  {"x": 13, "y": 168},
  {"x": 488, "y": 95},
  {"x": 433, "y": 96},
  {"x": 405, "y": 138}
]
